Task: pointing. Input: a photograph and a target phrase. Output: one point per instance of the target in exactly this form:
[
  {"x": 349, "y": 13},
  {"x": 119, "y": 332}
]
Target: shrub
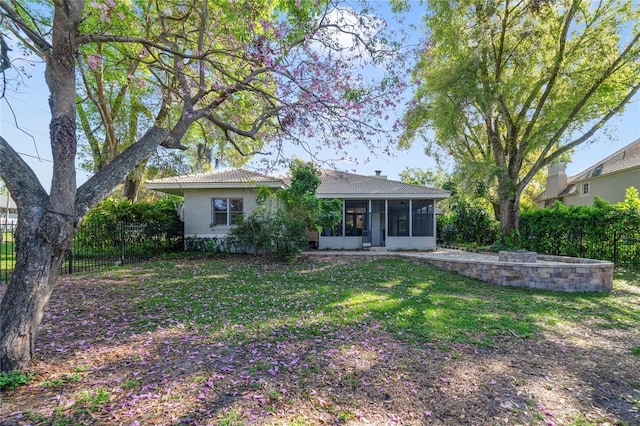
[
  {"x": 281, "y": 231},
  {"x": 600, "y": 231},
  {"x": 277, "y": 233},
  {"x": 467, "y": 224},
  {"x": 111, "y": 212}
]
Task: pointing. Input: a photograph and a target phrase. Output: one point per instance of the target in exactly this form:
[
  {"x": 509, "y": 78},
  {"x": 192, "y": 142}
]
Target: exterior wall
[
  {"x": 198, "y": 210},
  {"x": 392, "y": 243},
  {"x": 198, "y": 217},
  {"x": 339, "y": 243},
  {"x": 411, "y": 243},
  {"x": 611, "y": 188}
]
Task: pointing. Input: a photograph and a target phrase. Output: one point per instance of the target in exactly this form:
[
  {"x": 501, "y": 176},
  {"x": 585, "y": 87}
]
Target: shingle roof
[
  {"x": 348, "y": 184},
  {"x": 625, "y": 158},
  {"x": 221, "y": 176}
]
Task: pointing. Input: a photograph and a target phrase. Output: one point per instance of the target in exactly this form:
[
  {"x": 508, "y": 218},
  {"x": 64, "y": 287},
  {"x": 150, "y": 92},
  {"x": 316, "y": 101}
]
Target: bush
[
  {"x": 467, "y": 224},
  {"x": 599, "y": 231},
  {"x": 277, "y": 233},
  {"x": 111, "y": 212}
]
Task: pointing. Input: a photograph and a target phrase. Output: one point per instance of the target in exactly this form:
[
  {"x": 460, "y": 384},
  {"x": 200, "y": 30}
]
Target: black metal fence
[
  {"x": 97, "y": 247},
  {"x": 621, "y": 248}
]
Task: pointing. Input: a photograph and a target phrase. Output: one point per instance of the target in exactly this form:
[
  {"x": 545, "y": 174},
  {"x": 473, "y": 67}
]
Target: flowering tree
[{"x": 256, "y": 72}]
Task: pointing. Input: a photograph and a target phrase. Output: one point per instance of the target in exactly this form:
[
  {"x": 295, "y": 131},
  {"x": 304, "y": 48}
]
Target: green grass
[
  {"x": 249, "y": 298},
  {"x": 14, "y": 379},
  {"x": 7, "y": 254},
  {"x": 92, "y": 399},
  {"x": 60, "y": 381}
]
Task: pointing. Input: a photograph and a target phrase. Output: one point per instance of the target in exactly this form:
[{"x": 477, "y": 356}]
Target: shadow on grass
[{"x": 214, "y": 336}]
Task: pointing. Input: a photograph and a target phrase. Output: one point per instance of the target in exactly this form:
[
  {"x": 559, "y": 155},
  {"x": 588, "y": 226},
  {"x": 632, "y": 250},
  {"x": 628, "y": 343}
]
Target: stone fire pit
[{"x": 518, "y": 256}]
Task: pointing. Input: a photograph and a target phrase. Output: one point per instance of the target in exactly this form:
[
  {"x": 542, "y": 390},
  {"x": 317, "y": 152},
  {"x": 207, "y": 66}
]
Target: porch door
[{"x": 378, "y": 222}]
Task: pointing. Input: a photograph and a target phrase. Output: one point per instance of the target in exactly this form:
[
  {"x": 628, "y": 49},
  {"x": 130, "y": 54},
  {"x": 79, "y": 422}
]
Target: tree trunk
[
  {"x": 509, "y": 218},
  {"x": 37, "y": 268},
  {"x": 509, "y": 204},
  {"x": 133, "y": 181},
  {"x": 496, "y": 210}
]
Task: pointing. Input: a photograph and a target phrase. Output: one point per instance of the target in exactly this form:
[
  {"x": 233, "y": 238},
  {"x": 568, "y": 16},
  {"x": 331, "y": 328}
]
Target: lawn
[{"x": 327, "y": 340}]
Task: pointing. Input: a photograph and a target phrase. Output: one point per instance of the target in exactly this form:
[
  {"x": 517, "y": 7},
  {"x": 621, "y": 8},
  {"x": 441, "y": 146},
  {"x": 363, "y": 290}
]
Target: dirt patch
[{"x": 94, "y": 368}]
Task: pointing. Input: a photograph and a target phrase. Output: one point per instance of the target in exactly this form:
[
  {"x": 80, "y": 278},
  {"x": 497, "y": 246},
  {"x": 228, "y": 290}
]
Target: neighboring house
[
  {"x": 608, "y": 179},
  {"x": 8, "y": 210},
  {"x": 376, "y": 211}
]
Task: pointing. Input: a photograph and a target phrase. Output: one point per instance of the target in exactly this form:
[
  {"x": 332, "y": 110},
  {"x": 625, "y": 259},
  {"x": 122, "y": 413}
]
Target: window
[
  {"x": 585, "y": 188},
  {"x": 355, "y": 218},
  {"x": 398, "y": 218},
  {"x": 422, "y": 217},
  {"x": 226, "y": 211}
]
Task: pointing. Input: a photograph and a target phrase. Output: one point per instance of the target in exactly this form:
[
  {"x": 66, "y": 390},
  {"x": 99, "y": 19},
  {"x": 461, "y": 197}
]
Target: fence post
[
  {"x": 122, "y": 245},
  {"x": 70, "y": 257}
]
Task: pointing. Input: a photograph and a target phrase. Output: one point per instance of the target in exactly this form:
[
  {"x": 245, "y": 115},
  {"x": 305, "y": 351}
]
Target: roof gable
[{"x": 7, "y": 202}]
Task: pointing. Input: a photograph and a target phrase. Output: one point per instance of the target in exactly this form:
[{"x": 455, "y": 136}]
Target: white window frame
[
  {"x": 229, "y": 213},
  {"x": 583, "y": 186}
]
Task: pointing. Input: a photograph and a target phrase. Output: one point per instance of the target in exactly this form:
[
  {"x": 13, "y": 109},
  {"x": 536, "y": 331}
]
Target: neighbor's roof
[
  {"x": 7, "y": 202},
  {"x": 349, "y": 185},
  {"x": 623, "y": 159},
  {"x": 236, "y": 178}
]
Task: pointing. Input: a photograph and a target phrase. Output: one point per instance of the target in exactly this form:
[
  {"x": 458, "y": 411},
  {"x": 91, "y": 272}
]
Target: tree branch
[
  {"x": 542, "y": 161},
  {"x": 562, "y": 42},
  {"x": 22, "y": 183},
  {"x": 98, "y": 186},
  {"x": 40, "y": 42}
]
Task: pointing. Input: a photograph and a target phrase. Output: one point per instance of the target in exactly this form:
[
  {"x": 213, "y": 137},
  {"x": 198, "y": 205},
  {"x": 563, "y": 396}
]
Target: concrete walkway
[{"x": 439, "y": 254}]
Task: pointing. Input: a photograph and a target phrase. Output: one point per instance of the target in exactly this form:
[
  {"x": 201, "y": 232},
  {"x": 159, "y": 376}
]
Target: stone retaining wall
[{"x": 550, "y": 273}]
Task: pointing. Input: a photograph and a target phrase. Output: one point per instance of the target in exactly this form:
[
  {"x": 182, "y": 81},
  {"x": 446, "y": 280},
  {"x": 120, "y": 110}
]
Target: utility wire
[{"x": 80, "y": 169}]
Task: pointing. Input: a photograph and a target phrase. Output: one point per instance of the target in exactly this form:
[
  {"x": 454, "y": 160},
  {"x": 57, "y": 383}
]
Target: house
[
  {"x": 8, "y": 211},
  {"x": 377, "y": 212},
  {"x": 608, "y": 179}
]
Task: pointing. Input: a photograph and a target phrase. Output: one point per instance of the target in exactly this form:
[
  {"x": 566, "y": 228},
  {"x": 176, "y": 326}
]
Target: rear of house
[{"x": 377, "y": 212}]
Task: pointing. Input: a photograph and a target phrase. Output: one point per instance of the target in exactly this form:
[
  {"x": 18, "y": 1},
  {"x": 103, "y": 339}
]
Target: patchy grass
[
  {"x": 13, "y": 379},
  {"x": 241, "y": 340}
]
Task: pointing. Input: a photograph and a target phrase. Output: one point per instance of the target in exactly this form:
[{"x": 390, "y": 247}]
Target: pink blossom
[{"x": 94, "y": 61}]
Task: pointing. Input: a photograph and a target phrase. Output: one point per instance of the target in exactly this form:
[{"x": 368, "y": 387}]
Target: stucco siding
[
  {"x": 198, "y": 209},
  {"x": 611, "y": 188},
  {"x": 411, "y": 243},
  {"x": 339, "y": 243}
]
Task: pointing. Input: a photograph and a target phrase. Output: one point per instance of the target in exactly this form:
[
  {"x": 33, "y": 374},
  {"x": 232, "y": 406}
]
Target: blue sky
[{"x": 27, "y": 133}]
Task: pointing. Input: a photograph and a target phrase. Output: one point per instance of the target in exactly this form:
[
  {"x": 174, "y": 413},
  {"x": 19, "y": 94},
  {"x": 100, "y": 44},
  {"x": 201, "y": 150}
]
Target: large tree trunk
[
  {"x": 47, "y": 223},
  {"x": 509, "y": 217},
  {"x": 37, "y": 268},
  {"x": 509, "y": 204}
]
